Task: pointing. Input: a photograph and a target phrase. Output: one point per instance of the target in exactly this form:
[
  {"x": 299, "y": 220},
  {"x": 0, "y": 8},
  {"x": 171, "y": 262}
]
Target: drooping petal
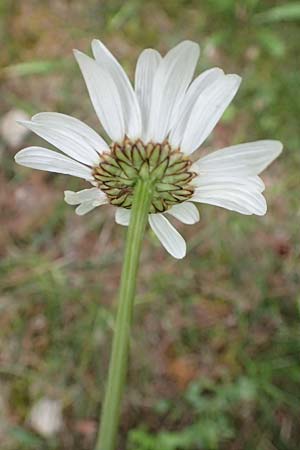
[
  {"x": 130, "y": 106},
  {"x": 243, "y": 159},
  {"x": 122, "y": 216},
  {"x": 207, "y": 111},
  {"x": 146, "y": 67},
  {"x": 237, "y": 194},
  {"x": 171, "y": 80},
  {"x": 104, "y": 95},
  {"x": 69, "y": 135},
  {"x": 195, "y": 89},
  {"x": 92, "y": 194},
  {"x": 186, "y": 212},
  {"x": 44, "y": 159},
  {"x": 169, "y": 237},
  {"x": 85, "y": 207}
]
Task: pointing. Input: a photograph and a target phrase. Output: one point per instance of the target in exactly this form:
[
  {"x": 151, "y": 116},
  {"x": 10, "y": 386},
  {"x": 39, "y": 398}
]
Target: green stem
[{"x": 120, "y": 347}]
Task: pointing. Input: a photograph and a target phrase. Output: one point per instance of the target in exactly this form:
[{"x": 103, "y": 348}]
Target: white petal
[
  {"x": 146, "y": 67},
  {"x": 242, "y": 159},
  {"x": 70, "y": 135},
  {"x": 85, "y": 207},
  {"x": 195, "y": 89},
  {"x": 131, "y": 109},
  {"x": 241, "y": 194},
  {"x": 168, "y": 236},
  {"x": 122, "y": 216},
  {"x": 44, "y": 159},
  {"x": 104, "y": 95},
  {"x": 185, "y": 212},
  {"x": 87, "y": 199},
  {"x": 171, "y": 80},
  {"x": 92, "y": 194},
  {"x": 75, "y": 125},
  {"x": 251, "y": 183},
  {"x": 207, "y": 111}
]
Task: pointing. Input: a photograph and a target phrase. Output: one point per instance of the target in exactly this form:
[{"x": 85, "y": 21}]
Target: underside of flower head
[
  {"x": 153, "y": 129},
  {"x": 167, "y": 169}
]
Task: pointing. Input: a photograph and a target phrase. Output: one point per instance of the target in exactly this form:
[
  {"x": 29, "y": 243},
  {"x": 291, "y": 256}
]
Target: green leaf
[
  {"x": 287, "y": 12},
  {"x": 25, "y": 437},
  {"x": 272, "y": 43},
  {"x": 31, "y": 68}
]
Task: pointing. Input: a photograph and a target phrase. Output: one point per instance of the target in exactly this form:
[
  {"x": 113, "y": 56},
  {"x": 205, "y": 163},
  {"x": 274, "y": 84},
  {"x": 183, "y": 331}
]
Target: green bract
[{"x": 126, "y": 163}]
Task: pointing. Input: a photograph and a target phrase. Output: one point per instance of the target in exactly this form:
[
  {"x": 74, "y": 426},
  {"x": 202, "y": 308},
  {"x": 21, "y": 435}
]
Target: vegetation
[{"x": 215, "y": 350}]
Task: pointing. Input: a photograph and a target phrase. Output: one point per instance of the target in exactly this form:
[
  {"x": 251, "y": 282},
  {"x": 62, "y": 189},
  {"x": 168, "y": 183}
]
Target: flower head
[{"x": 153, "y": 129}]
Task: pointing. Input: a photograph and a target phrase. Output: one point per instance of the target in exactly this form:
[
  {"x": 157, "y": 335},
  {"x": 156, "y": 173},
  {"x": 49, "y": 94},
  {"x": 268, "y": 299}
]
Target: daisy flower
[{"x": 153, "y": 129}]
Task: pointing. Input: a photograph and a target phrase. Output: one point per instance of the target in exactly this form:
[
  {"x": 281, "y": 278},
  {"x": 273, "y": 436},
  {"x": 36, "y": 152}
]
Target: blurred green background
[{"x": 215, "y": 357}]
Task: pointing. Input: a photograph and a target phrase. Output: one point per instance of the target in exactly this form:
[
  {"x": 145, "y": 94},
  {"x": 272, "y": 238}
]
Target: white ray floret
[
  {"x": 129, "y": 102},
  {"x": 146, "y": 68},
  {"x": 168, "y": 235},
  {"x": 208, "y": 110},
  {"x": 69, "y": 135},
  {"x": 122, "y": 216},
  {"x": 87, "y": 199},
  {"x": 104, "y": 95},
  {"x": 242, "y": 159},
  {"x": 196, "y": 88},
  {"x": 173, "y": 76},
  {"x": 185, "y": 212},
  {"x": 44, "y": 159},
  {"x": 165, "y": 110}
]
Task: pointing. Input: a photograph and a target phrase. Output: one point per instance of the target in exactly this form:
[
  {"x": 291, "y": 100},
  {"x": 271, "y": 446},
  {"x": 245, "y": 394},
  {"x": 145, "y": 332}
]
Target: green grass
[{"x": 216, "y": 342}]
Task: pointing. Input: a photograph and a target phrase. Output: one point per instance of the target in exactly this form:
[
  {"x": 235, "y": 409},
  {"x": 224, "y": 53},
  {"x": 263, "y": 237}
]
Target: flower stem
[{"x": 120, "y": 347}]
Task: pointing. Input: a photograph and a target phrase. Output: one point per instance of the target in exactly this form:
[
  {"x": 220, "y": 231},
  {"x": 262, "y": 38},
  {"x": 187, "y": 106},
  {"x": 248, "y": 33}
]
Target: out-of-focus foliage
[
  {"x": 281, "y": 13},
  {"x": 216, "y": 342}
]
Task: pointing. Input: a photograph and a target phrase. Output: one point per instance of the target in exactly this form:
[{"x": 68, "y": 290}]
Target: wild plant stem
[{"x": 120, "y": 347}]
